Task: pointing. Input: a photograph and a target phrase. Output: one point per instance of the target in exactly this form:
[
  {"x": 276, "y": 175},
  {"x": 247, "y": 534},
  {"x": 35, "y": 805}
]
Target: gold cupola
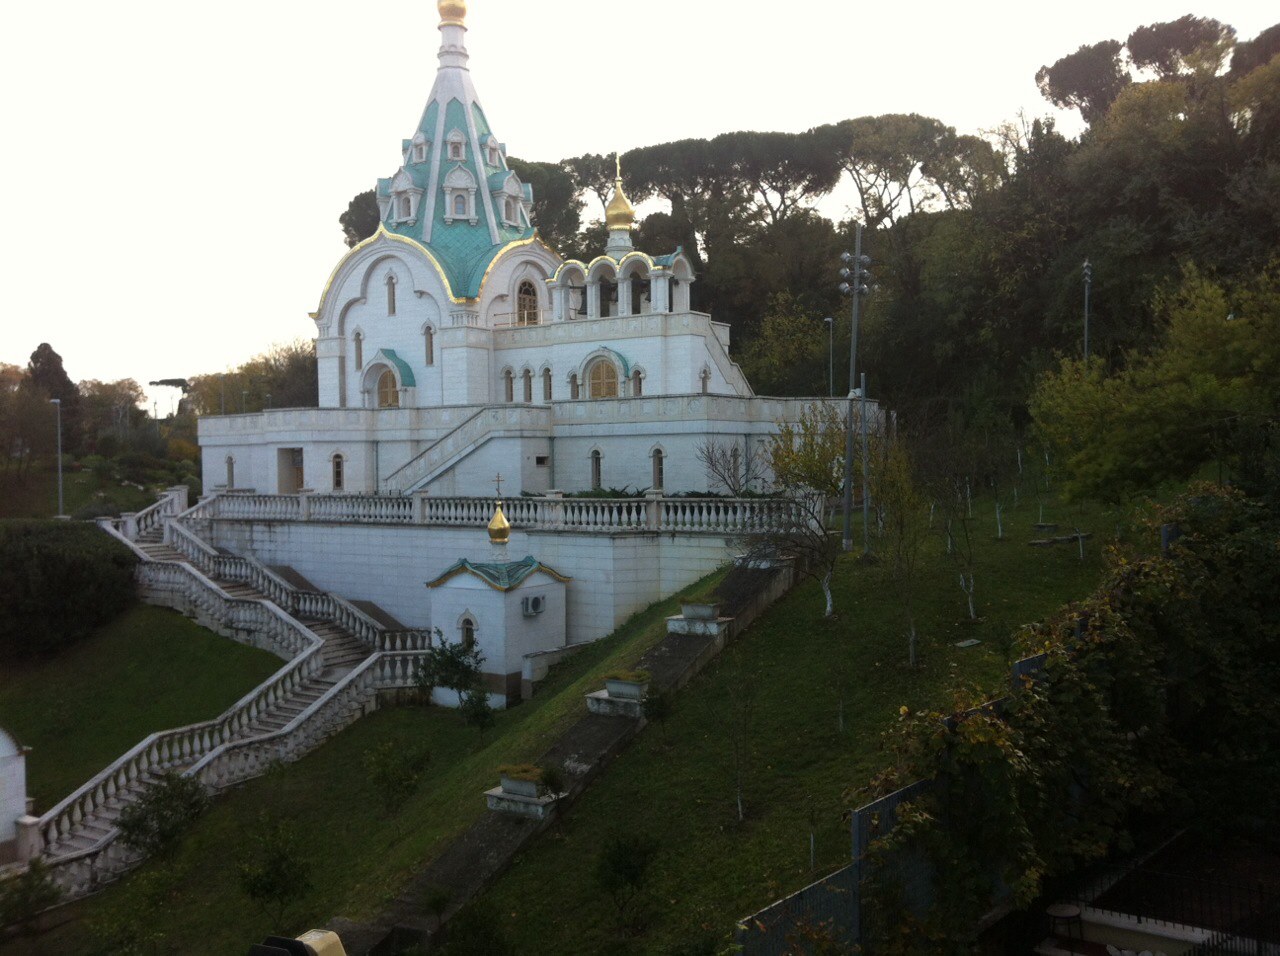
[
  {"x": 619, "y": 214},
  {"x": 452, "y": 11},
  {"x": 499, "y": 528}
]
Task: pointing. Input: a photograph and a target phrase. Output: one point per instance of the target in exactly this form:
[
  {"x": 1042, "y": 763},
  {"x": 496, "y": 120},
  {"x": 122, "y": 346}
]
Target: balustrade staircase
[{"x": 341, "y": 653}]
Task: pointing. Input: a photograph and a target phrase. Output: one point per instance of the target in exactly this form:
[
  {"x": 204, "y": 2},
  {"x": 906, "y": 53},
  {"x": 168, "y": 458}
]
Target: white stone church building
[{"x": 456, "y": 346}]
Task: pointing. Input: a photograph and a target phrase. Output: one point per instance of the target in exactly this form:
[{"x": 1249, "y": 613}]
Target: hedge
[{"x": 58, "y": 582}]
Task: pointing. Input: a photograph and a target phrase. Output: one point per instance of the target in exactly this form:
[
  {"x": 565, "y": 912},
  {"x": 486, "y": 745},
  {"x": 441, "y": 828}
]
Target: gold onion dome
[
  {"x": 619, "y": 214},
  {"x": 499, "y": 529},
  {"x": 452, "y": 11}
]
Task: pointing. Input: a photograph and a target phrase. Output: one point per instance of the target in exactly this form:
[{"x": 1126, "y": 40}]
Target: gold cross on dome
[
  {"x": 498, "y": 483},
  {"x": 617, "y": 162}
]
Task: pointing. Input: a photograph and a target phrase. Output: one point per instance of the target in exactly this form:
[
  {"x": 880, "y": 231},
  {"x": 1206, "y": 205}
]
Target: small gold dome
[
  {"x": 619, "y": 214},
  {"x": 452, "y": 11},
  {"x": 499, "y": 529}
]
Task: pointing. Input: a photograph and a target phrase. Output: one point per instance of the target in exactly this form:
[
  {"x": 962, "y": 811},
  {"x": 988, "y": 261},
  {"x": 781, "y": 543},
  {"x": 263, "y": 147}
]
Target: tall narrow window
[
  {"x": 388, "y": 392},
  {"x": 511, "y": 211},
  {"x": 468, "y": 633},
  {"x": 528, "y": 386},
  {"x": 602, "y": 380},
  {"x": 595, "y": 471},
  {"x": 460, "y": 206},
  {"x": 509, "y": 386},
  {"x": 404, "y": 207},
  {"x": 527, "y": 304},
  {"x": 430, "y": 341},
  {"x": 657, "y": 468},
  {"x": 573, "y": 386},
  {"x": 359, "y": 343},
  {"x": 391, "y": 294},
  {"x": 337, "y": 472},
  {"x": 231, "y": 472},
  {"x": 546, "y": 384},
  {"x": 637, "y": 389}
]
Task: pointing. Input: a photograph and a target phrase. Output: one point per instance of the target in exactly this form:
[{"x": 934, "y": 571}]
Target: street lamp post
[
  {"x": 57, "y": 404},
  {"x": 1088, "y": 281},
  {"x": 831, "y": 356},
  {"x": 855, "y": 286}
]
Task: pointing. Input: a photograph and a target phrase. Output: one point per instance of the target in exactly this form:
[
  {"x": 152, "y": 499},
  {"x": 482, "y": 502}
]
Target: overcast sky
[{"x": 173, "y": 172}]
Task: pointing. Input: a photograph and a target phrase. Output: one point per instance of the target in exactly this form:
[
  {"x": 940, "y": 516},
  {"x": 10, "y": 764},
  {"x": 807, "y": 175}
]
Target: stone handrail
[
  {"x": 230, "y": 762},
  {"x": 181, "y": 746},
  {"x": 462, "y": 439},
  {"x": 314, "y": 605},
  {"x": 605, "y": 515}
]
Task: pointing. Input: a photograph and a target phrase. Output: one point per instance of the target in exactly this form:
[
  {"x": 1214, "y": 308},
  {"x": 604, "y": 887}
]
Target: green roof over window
[{"x": 406, "y": 373}]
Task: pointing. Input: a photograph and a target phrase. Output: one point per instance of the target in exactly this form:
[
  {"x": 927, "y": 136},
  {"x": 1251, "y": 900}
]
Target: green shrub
[
  {"x": 25, "y": 896},
  {"x": 396, "y": 772},
  {"x": 60, "y": 580},
  {"x": 162, "y": 814}
]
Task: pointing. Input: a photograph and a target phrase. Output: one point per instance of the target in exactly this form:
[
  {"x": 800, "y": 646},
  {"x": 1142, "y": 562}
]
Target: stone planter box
[
  {"x": 626, "y": 689},
  {"x": 520, "y": 788},
  {"x": 699, "y": 611}
]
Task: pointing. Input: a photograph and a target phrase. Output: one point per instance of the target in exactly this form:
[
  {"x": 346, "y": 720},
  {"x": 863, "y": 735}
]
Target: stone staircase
[{"x": 341, "y": 652}]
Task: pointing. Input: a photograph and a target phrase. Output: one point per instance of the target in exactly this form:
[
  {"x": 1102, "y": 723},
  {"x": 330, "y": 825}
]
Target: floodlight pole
[
  {"x": 853, "y": 366},
  {"x": 57, "y": 404},
  {"x": 866, "y": 469}
]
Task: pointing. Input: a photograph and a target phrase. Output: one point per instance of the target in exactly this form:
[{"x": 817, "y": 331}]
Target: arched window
[
  {"x": 546, "y": 384},
  {"x": 527, "y": 303},
  {"x": 455, "y": 149},
  {"x": 595, "y": 471},
  {"x": 337, "y": 472},
  {"x": 528, "y": 386},
  {"x": 231, "y": 472},
  {"x": 602, "y": 380},
  {"x": 359, "y": 343},
  {"x": 429, "y": 335},
  {"x": 404, "y": 207},
  {"x": 509, "y": 386},
  {"x": 460, "y": 206},
  {"x": 468, "y": 633},
  {"x": 388, "y": 392},
  {"x": 511, "y": 210},
  {"x": 573, "y": 386},
  {"x": 391, "y": 294},
  {"x": 637, "y": 389},
  {"x": 657, "y": 468},
  {"x": 419, "y": 153}
]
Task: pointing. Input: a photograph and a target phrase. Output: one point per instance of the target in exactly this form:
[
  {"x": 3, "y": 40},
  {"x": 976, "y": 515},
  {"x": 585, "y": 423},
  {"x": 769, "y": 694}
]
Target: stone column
[
  {"x": 304, "y": 505},
  {"x": 653, "y": 509},
  {"x": 553, "y": 510},
  {"x": 660, "y": 292},
  {"x": 129, "y": 524},
  {"x": 30, "y": 842}
]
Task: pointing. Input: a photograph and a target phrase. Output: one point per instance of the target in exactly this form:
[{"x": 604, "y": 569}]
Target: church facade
[{"x": 455, "y": 344}]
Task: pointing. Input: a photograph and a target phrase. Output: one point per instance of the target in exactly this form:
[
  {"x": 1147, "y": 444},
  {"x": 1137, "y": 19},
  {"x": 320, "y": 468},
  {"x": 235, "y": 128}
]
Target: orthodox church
[{"x": 455, "y": 344}]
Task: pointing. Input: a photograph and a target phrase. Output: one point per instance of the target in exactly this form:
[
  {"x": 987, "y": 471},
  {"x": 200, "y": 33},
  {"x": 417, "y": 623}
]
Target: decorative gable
[{"x": 460, "y": 195}]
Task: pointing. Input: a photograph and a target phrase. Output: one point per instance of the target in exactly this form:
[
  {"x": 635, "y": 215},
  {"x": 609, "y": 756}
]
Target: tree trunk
[{"x": 826, "y": 592}]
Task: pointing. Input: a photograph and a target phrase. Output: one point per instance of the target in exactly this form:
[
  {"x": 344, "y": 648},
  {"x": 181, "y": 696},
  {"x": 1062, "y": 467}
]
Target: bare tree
[
  {"x": 729, "y": 465},
  {"x": 905, "y": 527}
]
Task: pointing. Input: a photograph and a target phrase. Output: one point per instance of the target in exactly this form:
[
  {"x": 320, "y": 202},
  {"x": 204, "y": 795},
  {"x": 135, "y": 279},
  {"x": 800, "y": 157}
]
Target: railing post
[
  {"x": 653, "y": 509},
  {"x": 30, "y": 842},
  {"x": 553, "y": 515},
  {"x": 178, "y": 498},
  {"x": 304, "y": 506},
  {"x": 420, "y": 506},
  {"x": 129, "y": 524}
]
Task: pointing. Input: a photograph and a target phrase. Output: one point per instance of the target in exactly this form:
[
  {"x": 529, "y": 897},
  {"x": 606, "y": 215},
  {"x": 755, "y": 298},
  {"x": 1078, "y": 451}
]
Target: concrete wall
[
  {"x": 613, "y": 575},
  {"x": 13, "y": 794}
]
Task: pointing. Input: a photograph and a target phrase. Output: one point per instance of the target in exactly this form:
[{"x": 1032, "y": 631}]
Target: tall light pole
[
  {"x": 831, "y": 356},
  {"x": 855, "y": 286},
  {"x": 1088, "y": 281},
  {"x": 57, "y": 404}
]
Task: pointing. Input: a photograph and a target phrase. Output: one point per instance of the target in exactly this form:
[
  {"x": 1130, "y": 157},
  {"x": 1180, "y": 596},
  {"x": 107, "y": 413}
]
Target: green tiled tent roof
[{"x": 503, "y": 576}]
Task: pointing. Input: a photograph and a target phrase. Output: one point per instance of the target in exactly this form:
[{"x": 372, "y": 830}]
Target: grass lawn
[
  {"x": 36, "y": 494},
  {"x": 674, "y": 784},
  {"x": 150, "y": 669},
  {"x": 358, "y": 853}
]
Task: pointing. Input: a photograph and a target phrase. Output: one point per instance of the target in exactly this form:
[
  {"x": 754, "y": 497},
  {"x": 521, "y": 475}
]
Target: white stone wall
[
  {"x": 13, "y": 792},
  {"x": 613, "y": 576}
]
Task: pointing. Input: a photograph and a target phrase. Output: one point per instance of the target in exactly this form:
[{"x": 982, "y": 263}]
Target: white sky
[{"x": 174, "y": 172}]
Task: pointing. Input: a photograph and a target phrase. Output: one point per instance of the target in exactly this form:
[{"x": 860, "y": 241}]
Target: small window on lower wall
[
  {"x": 542, "y": 461},
  {"x": 338, "y": 476},
  {"x": 468, "y": 633}
]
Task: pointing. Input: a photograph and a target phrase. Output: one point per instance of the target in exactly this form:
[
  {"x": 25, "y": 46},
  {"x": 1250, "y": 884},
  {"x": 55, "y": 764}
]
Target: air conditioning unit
[{"x": 534, "y": 605}]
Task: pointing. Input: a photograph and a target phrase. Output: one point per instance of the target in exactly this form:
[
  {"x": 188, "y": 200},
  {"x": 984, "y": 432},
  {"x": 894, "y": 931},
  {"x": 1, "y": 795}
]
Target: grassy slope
[
  {"x": 359, "y": 854},
  {"x": 677, "y": 786},
  {"x": 36, "y": 494},
  {"x": 149, "y": 670}
]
